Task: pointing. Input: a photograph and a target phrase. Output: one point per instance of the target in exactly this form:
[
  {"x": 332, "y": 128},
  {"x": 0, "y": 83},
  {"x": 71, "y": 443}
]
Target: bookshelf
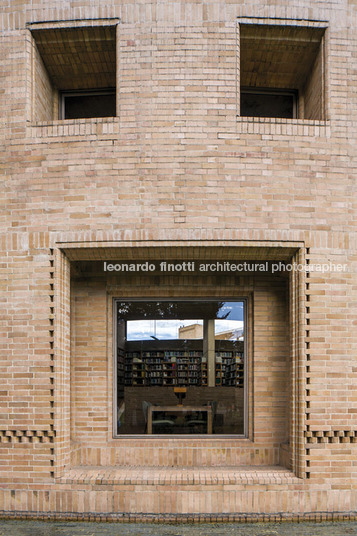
[
  {"x": 169, "y": 363},
  {"x": 121, "y": 356}
]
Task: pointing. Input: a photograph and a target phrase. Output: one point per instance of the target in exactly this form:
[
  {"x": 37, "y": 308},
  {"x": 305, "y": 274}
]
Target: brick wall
[{"x": 176, "y": 167}]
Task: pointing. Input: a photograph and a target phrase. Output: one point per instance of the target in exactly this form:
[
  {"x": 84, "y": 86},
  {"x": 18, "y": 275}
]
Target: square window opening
[
  {"x": 74, "y": 72},
  {"x": 180, "y": 367},
  {"x": 282, "y": 71}
]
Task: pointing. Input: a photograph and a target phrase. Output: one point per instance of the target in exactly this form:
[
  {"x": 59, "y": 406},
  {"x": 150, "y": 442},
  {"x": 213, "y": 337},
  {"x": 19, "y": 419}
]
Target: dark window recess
[
  {"x": 270, "y": 103},
  {"x": 82, "y": 105}
]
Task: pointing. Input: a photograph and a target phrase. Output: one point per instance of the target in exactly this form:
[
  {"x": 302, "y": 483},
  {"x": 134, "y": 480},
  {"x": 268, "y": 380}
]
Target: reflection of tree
[{"x": 153, "y": 310}]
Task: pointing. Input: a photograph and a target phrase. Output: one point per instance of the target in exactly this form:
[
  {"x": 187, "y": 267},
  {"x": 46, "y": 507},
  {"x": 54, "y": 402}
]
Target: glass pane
[
  {"x": 180, "y": 367},
  {"x": 164, "y": 329},
  {"x": 86, "y": 106},
  {"x": 267, "y": 105}
]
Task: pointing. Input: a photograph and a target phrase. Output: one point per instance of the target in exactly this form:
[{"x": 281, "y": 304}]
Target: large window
[{"x": 180, "y": 367}]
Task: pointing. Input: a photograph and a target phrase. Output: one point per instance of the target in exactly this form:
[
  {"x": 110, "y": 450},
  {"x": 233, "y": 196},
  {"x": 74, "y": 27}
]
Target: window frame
[{"x": 246, "y": 330}]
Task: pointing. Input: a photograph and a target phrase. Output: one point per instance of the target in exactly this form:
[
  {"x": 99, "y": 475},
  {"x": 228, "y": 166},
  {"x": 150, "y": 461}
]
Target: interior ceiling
[
  {"x": 79, "y": 58},
  {"x": 277, "y": 56}
]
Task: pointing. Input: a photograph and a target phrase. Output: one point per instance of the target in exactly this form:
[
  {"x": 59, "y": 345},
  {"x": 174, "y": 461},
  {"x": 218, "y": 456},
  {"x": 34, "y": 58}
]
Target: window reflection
[{"x": 180, "y": 367}]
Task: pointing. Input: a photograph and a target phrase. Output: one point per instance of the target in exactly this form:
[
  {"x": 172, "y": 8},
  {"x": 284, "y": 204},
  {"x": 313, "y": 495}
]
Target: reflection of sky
[
  {"x": 162, "y": 329},
  {"x": 226, "y": 325},
  {"x": 138, "y": 330},
  {"x": 233, "y": 309}
]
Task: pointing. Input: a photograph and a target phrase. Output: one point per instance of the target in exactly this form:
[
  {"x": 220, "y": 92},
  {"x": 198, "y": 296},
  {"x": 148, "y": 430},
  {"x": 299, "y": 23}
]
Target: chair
[
  {"x": 196, "y": 423},
  {"x": 160, "y": 425}
]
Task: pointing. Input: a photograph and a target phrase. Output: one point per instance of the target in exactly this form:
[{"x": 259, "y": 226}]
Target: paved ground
[{"x": 35, "y": 528}]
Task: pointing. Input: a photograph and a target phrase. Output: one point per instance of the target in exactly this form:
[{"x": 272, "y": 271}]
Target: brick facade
[{"x": 178, "y": 174}]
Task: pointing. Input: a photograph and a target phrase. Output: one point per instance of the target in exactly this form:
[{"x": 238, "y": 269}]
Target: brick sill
[
  {"x": 95, "y": 126},
  {"x": 282, "y": 126},
  {"x": 126, "y": 475}
]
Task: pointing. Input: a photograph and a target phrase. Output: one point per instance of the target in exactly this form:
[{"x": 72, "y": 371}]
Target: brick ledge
[
  {"x": 137, "y": 475},
  {"x": 125, "y": 517},
  {"x": 283, "y": 127}
]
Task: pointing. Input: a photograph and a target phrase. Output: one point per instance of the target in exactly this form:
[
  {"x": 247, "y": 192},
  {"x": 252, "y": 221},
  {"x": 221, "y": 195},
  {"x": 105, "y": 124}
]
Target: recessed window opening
[
  {"x": 75, "y": 72},
  {"x": 180, "y": 367},
  {"x": 86, "y": 104},
  {"x": 282, "y": 71}
]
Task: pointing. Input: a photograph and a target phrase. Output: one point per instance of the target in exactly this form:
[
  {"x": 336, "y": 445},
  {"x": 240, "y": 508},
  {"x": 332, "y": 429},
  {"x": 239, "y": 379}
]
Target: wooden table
[{"x": 175, "y": 409}]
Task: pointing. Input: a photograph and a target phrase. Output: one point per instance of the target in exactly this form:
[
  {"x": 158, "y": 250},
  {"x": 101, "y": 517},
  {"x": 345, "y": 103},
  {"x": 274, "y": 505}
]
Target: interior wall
[
  {"x": 313, "y": 91},
  {"x": 44, "y": 93},
  {"x": 89, "y": 371}
]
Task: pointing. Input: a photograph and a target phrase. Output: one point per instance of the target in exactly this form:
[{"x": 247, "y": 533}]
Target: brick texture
[{"x": 177, "y": 174}]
